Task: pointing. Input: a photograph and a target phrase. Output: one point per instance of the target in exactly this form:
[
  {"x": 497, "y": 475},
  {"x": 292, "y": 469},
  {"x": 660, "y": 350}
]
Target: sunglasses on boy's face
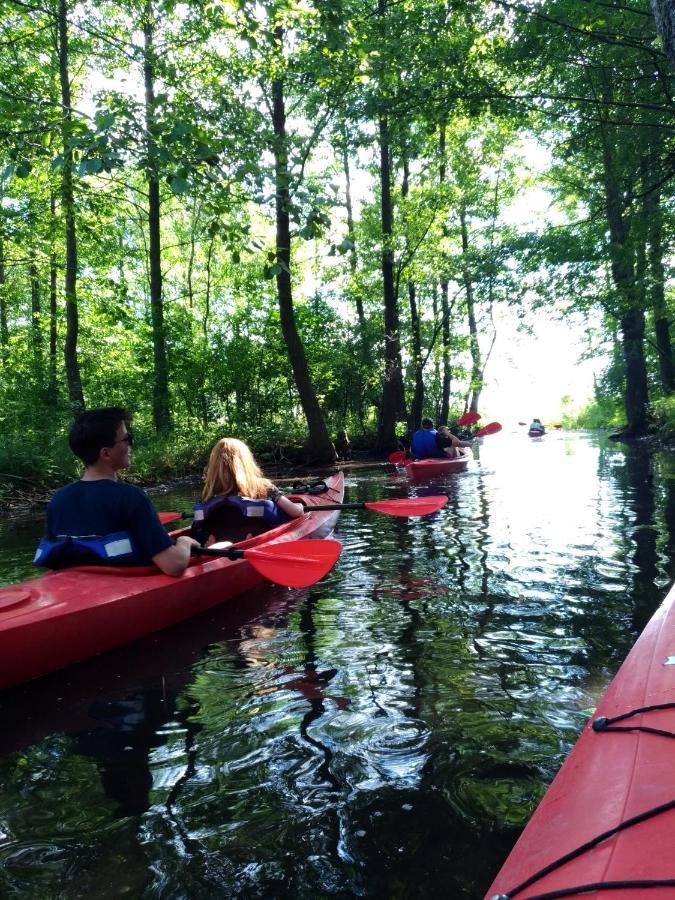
[{"x": 127, "y": 439}]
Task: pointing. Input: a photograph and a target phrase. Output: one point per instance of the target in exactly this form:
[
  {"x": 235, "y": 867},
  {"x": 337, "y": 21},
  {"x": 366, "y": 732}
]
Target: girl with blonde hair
[{"x": 232, "y": 469}]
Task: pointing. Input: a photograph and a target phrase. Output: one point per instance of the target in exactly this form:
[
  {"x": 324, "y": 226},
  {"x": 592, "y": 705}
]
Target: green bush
[{"x": 663, "y": 411}]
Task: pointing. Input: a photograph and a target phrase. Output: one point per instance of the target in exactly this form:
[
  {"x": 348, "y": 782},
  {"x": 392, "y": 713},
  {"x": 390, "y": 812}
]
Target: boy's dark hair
[
  {"x": 94, "y": 429},
  {"x": 427, "y": 423}
]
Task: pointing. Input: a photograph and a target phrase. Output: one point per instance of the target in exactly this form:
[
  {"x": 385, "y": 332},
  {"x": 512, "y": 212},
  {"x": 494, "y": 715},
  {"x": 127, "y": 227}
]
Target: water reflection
[{"x": 386, "y": 732}]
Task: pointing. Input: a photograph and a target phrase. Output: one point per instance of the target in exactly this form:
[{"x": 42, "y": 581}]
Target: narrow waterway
[{"x": 385, "y": 733}]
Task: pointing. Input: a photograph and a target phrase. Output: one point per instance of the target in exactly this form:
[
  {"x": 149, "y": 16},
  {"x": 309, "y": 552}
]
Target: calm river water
[{"x": 385, "y": 733}]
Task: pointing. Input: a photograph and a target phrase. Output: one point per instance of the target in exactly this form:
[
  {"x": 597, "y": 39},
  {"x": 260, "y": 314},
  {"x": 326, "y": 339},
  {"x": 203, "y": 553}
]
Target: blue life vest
[
  {"x": 71, "y": 550},
  {"x": 265, "y": 510},
  {"x": 424, "y": 444}
]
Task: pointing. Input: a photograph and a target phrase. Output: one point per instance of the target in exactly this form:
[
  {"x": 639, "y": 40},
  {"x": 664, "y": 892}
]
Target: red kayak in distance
[
  {"x": 536, "y": 432},
  {"x": 63, "y": 617},
  {"x": 606, "y": 825}
]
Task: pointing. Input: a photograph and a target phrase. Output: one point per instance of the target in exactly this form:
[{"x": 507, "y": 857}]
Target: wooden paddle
[
  {"x": 291, "y": 563},
  {"x": 415, "y": 506}
]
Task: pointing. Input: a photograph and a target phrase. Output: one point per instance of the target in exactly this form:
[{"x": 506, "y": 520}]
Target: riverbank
[{"x": 30, "y": 500}]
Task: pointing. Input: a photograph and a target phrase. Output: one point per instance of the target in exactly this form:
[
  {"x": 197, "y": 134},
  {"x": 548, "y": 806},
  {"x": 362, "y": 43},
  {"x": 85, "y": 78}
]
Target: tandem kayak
[
  {"x": 605, "y": 826},
  {"x": 63, "y": 617},
  {"x": 428, "y": 468}
]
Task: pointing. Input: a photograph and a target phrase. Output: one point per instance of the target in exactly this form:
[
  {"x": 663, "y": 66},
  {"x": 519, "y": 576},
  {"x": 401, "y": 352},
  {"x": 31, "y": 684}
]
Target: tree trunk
[
  {"x": 632, "y": 333},
  {"x": 445, "y": 306},
  {"x": 392, "y": 383},
  {"x": 476, "y": 385},
  {"x": 4, "y": 330},
  {"x": 52, "y": 390},
  {"x": 161, "y": 414},
  {"x": 664, "y": 13},
  {"x": 632, "y": 317},
  {"x": 653, "y": 217},
  {"x": 36, "y": 342},
  {"x": 319, "y": 445},
  {"x": 417, "y": 403},
  {"x": 73, "y": 379},
  {"x": 358, "y": 299}
]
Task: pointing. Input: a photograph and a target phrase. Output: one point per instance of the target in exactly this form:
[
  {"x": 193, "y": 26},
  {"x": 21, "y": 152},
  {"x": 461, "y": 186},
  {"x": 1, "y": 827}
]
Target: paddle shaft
[
  {"x": 253, "y": 554},
  {"x": 227, "y": 552},
  {"x": 326, "y": 506}
]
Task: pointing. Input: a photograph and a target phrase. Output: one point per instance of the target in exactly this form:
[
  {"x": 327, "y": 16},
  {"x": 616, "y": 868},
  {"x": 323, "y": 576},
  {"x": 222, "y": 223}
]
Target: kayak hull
[
  {"x": 608, "y": 778},
  {"x": 429, "y": 468},
  {"x": 61, "y": 618},
  {"x": 535, "y": 433}
]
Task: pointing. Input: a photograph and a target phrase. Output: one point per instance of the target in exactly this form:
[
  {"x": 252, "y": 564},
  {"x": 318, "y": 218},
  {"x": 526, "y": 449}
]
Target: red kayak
[
  {"x": 606, "y": 824},
  {"x": 63, "y": 617},
  {"x": 428, "y": 468},
  {"x": 536, "y": 432}
]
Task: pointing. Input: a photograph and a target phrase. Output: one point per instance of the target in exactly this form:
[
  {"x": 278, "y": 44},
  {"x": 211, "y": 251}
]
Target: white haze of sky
[{"x": 529, "y": 374}]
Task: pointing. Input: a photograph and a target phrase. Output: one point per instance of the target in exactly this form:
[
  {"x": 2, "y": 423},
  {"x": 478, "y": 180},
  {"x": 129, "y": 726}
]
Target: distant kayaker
[
  {"x": 99, "y": 520},
  {"x": 234, "y": 479},
  {"x": 536, "y": 425}
]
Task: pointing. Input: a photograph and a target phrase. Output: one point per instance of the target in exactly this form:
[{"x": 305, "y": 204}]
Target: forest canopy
[{"x": 281, "y": 219}]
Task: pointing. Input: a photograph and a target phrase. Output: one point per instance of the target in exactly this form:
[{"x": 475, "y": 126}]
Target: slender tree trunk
[
  {"x": 476, "y": 385},
  {"x": 445, "y": 305},
  {"x": 664, "y": 13},
  {"x": 4, "y": 330},
  {"x": 392, "y": 383},
  {"x": 160, "y": 396},
  {"x": 36, "y": 325},
  {"x": 632, "y": 319},
  {"x": 52, "y": 389},
  {"x": 73, "y": 379},
  {"x": 417, "y": 403},
  {"x": 351, "y": 234},
  {"x": 653, "y": 217},
  {"x": 319, "y": 445}
]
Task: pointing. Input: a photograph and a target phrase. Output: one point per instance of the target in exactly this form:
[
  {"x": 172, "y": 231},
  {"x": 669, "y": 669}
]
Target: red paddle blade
[
  {"x": 295, "y": 563},
  {"x": 166, "y": 517},
  {"x": 415, "y": 506},
  {"x": 469, "y": 418},
  {"x": 492, "y": 428},
  {"x": 398, "y": 456}
]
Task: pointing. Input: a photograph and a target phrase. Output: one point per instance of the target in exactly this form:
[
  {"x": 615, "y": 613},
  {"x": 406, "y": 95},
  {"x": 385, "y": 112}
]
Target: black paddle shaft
[
  {"x": 326, "y": 506},
  {"x": 227, "y": 552}
]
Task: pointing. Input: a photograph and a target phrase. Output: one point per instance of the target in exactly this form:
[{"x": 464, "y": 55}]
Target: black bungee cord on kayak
[
  {"x": 601, "y": 725},
  {"x": 583, "y": 848},
  {"x": 606, "y": 723}
]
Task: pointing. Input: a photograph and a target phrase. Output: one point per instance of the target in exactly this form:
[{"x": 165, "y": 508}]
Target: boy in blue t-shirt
[{"x": 99, "y": 519}]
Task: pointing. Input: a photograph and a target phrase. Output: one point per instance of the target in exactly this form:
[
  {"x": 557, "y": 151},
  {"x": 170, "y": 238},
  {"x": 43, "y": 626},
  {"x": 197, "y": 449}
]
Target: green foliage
[
  {"x": 603, "y": 412},
  {"x": 663, "y": 412},
  {"x": 208, "y": 139}
]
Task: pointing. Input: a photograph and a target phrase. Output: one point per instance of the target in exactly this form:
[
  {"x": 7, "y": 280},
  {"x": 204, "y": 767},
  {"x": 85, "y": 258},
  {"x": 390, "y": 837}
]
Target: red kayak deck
[
  {"x": 609, "y": 778},
  {"x": 63, "y": 617},
  {"x": 427, "y": 468}
]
